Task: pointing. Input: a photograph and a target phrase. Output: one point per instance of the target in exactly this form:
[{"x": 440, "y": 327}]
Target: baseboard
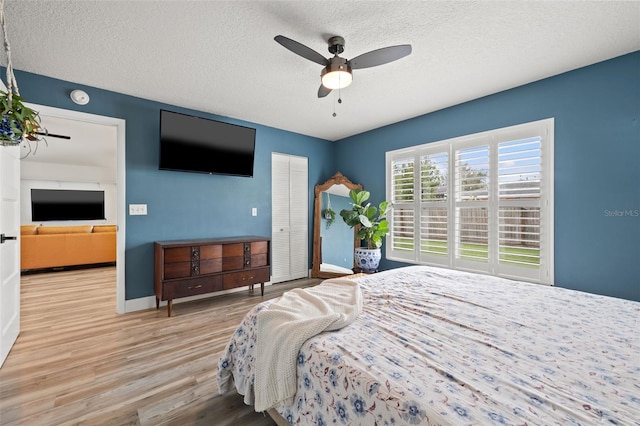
[{"x": 144, "y": 303}]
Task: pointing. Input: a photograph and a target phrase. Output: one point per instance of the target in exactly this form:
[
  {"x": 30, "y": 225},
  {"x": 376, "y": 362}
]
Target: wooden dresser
[{"x": 192, "y": 267}]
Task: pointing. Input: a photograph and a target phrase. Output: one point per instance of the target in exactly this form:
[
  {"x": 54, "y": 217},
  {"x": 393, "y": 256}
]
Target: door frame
[{"x": 120, "y": 185}]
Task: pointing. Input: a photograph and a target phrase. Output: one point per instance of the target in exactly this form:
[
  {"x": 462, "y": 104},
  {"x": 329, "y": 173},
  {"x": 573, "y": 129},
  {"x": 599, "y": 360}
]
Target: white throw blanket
[{"x": 287, "y": 323}]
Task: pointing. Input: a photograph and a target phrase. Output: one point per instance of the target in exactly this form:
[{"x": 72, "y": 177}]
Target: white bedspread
[
  {"x": 440, "y": 347},
  {"x": 286, "y": 324}
]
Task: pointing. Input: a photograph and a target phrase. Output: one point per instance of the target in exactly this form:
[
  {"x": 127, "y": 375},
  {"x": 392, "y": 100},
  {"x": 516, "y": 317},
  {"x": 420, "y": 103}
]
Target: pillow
[
  {"x": 104, "y": 228},
  {"x": 28, "y": 229},
  {"x": 80, "y": 229}
]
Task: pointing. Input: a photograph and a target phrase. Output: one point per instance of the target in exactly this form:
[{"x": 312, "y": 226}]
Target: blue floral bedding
[{"x": 435, "y": 346}]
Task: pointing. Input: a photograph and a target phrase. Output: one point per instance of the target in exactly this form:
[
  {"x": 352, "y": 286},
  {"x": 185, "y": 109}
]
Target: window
[{"x": 481, "y": 203}]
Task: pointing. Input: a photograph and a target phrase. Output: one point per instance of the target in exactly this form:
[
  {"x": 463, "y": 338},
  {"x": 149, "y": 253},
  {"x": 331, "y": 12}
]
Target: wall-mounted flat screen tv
[
  {"x": 196, "y": 144},
  {"x": 66, "y": 204}
]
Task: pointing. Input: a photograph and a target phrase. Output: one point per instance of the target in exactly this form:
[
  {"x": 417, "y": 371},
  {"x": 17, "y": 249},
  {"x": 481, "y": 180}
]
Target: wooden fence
[{"x": 518, "y": 226}]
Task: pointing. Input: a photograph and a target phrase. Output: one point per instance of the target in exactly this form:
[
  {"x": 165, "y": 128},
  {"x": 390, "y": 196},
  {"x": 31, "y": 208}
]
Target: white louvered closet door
[{"x": 289, "y": 217}]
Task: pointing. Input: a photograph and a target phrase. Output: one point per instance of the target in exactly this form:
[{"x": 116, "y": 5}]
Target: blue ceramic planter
[
  {"x": 368, "y": 259},
  {"x": 7, "y": 137}
]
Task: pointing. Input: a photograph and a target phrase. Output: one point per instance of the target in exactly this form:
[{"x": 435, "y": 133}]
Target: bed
[{"x": 435, "y": 346}]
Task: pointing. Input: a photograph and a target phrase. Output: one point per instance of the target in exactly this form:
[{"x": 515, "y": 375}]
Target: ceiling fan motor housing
[{"x": 336, "y": 45}]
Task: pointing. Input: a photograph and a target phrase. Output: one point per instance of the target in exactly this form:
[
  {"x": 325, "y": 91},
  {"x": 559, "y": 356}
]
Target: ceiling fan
[{"x": 336, "y": 73}]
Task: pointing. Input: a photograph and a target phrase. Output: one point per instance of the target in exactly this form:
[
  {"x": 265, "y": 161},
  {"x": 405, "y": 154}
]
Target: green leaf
[
  {"x": 370, "y": 212},
  {"x": 364, "y": 220},
  {"x": 359, "y": 196},
  {"x": 384, "y": 208},
  {"x": 350, "y": 217},
  {"x": 22, "y": 120},
  {"x": 377, "y": 241}
]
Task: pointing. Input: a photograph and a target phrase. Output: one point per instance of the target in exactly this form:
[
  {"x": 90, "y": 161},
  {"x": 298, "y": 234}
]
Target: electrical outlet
[{"x": 137, "y": 209}]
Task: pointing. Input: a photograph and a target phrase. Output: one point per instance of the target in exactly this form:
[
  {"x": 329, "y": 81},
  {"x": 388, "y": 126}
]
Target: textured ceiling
[{"x": 220, "y": 57}]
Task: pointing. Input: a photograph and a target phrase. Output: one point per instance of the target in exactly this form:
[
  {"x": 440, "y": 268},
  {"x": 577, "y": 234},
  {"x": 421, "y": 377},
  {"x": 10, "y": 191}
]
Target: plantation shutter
[
  {"x": 400, "y": 242},
  {"x": 434, "y": 207},
  {"x": 472, "y": 225},
  {"x": 519, "y": 203},
  {"x": 479, "y": 202}
]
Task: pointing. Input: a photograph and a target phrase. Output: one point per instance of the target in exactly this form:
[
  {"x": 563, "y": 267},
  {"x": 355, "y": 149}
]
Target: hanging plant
[
  {"x": 328, "y": 213},
  {"x": 19, "y": 122},
  {"x": 330, "y": 216}
]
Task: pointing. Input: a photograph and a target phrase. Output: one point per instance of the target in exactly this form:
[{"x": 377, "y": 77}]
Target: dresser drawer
[
  {"x": 184, "y": 288},
  {"x": 259, "y": 247},
  {"x": 232, "y": 250},
  {"x": 232, "y": 263},
  {"x": 211, "y": 252},
  {"x": 177, "y": 270},
  {"x": 209, "y": 266},
  {"x": 239, "y": 279},
  {"x": 178, "y": 254},
  {"x": 259, "y": 260}
]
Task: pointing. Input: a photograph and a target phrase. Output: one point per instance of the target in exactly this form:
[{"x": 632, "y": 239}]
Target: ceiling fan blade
[
  {"x": 380, "y": 56},
  {"x": 323, "y": 91},
  {"x": 302, "y": 50}
]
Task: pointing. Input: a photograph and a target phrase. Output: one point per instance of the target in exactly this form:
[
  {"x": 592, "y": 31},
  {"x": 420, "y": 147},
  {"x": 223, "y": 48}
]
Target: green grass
[
  {"x": 471, "y": 251},
  {"x": 434, "y": 247},
  {"x": 520, "y": 255}
]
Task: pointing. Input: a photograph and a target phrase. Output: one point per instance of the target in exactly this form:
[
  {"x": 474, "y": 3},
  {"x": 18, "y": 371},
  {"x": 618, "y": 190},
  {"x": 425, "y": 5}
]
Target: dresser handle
[{"x": 198, "y": 286}]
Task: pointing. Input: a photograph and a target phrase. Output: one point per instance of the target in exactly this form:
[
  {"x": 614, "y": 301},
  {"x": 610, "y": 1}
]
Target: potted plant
[
  {"x": 371, "y": 226},
  {"x": 18, "y": 121}
]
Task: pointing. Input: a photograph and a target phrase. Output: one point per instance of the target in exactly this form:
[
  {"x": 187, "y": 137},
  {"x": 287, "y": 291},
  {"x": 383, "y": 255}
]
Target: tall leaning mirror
[{"x": 333, "y": 240}]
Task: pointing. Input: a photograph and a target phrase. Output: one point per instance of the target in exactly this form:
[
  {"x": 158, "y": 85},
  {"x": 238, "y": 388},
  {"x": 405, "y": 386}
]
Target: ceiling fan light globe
[{"x": 336, "y": 79}]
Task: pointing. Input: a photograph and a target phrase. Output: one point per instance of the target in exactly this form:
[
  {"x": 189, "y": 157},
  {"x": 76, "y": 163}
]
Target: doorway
[{"x": 108, "y": 127}]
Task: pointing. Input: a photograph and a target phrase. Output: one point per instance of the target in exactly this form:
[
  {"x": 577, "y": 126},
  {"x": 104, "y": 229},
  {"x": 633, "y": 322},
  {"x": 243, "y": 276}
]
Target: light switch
[
  {"x": 137, "y": 209},
  {"x": 254, "y": 211}
]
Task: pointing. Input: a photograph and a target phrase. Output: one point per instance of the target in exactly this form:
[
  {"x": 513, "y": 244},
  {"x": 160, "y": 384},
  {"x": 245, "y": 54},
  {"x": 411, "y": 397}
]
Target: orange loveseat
[{"x": 57, "y": 246}]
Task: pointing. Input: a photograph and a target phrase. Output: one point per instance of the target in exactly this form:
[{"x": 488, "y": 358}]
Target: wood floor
[{"x": 77, "y": 362}]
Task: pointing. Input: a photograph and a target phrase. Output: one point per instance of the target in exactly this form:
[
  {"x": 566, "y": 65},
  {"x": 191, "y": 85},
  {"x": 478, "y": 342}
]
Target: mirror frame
[{"x": 337, "y": 179}]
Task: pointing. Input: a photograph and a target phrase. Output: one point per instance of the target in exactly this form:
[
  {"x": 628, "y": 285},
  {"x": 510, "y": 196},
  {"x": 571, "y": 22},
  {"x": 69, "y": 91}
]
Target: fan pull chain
[
  {"x": 334, "y": 97},
  {"x": 334, "y": 101},
  {"x": 334, "y": 104}
]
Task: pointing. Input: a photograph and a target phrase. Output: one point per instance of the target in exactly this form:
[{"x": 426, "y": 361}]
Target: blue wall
[
  {"x": 597, "y": 169},
  {"x": 183, "y": 205},
  {"x": 597, "y": 164}
]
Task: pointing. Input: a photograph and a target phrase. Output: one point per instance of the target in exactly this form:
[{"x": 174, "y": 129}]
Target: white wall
[{"x": 64, "y": 176}]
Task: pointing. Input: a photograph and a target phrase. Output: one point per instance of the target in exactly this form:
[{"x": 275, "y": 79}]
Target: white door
[
  {"x": 9, "y": 248},
  {"x": 299, "y": 217},
  {"x": 289, "y": 217},
  {"x": 280, "y": 249}
]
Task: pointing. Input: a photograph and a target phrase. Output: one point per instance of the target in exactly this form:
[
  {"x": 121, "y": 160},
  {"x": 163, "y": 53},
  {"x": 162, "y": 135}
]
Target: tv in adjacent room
[
  {"x": 196, "y": 144},
  {"x": 66, "y": 204}
]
